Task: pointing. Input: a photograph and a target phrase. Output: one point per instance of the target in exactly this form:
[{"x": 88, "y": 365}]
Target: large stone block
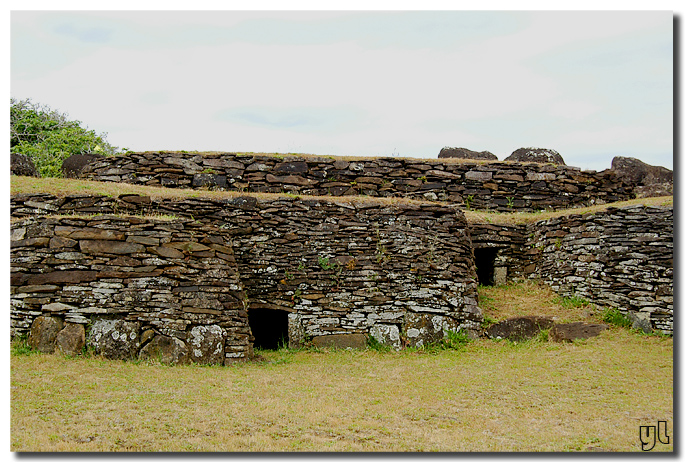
[
  {"x": 167, "y": 350},
  {"x": 575, "y": 331},
  {"x": 115, "y": 339},
  {"x": 44, "y": 331},
  {"x": 340, "y": 341},
  {"x": 71, "y": 339},
  {"x": 207, "y": 344},
  {"x": 387, "y": 334},
  {"x": 518, "y": 329},
  {"x": 422, "y": 328}
]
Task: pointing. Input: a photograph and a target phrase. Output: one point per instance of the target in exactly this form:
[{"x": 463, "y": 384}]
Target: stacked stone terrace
[
  {"x": 500, "y": 186},
  {"x": 326, "y": 270},
  {"x": 330, "y": 272}
]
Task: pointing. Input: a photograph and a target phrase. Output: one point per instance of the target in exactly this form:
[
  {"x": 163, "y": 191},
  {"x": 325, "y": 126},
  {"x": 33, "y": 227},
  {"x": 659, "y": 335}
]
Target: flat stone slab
[
  {"x": 340, "y": 341},
  {"x": 521, "y": 328},
  {"x": 575, "y": 330}
]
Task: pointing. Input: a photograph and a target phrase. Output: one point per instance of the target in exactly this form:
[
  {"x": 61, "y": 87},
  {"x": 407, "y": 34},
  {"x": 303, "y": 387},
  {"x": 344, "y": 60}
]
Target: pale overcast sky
[{"x": 592, "y": 85}]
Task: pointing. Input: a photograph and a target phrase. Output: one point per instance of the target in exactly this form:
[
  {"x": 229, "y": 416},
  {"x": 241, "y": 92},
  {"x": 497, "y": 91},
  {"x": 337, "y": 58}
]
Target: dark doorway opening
[
  {"x": 269, "y": 328},
  {"x": 485, "y": 265}
]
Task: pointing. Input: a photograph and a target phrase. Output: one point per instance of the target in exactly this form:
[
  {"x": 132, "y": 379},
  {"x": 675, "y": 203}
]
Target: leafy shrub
[
  {"x": 47, "y": 137},
  {"x": 614, "y": 316},
  {"x": 454, "y": 340}
]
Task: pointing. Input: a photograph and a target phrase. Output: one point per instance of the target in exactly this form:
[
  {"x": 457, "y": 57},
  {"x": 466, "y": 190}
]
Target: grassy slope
[{"x": 489, "y": 396}]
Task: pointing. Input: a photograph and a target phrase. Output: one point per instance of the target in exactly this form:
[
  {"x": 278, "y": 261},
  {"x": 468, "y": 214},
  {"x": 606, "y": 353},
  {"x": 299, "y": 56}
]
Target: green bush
[
  {"x": 614, "y": 316},
  {"x": 47, "y": 137}
]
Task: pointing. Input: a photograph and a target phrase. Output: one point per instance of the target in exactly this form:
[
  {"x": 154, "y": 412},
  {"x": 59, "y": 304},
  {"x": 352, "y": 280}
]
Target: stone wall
[
  {"x": 620, "y": 258},
  {"x": 501, "y": 186},
  {"x": 128, "y": 287},
  {"x": 341, "y": 269}
]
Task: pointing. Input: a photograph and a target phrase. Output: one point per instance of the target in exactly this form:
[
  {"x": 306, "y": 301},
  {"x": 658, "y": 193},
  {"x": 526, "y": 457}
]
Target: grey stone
[
  {"x": 537, "y": 155},
  {"x": 167, "y": 350},
  {"x": 206, "y": 344},
  {"x": 115, "y": 339},
  {"x": 463, "y": 153}
]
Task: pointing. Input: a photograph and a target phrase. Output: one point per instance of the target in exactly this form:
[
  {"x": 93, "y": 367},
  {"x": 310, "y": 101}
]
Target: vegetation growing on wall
[{"x": 47, "y": 137}]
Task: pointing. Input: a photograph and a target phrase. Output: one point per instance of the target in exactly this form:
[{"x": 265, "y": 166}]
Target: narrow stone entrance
[
  {"x": 269, "y": 328},
  {"x": 485, "y": 265}
]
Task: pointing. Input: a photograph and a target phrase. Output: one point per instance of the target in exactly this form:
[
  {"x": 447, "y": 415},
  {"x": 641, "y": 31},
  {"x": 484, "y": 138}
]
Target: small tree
[{"x": 48, "y": 137}]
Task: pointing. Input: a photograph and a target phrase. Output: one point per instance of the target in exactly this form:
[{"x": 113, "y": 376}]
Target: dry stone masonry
[
  {"x": 398, "y": 270},
  {"x": 128, "y": 287},
  {"x": 211, "y": 278},
  {"x": 500, "y": 186},
  {"x": 620, "y": 258}
]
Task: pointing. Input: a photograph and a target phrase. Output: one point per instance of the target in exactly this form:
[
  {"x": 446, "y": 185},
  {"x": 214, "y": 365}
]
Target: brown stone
[
  {"x": 166, "y": 252},
  {"x": 71, "y": 339},
  {"x": 340, "y": 341},
  {"x": 73, "y": 165},
  {"x": 115, "y": 247},
  {"x": 60, "y": 242},
  {"x": 62, "y": 277},
  {"x": 188, "y": 246},
  {"x": 575, "y": 331},
  {"x": 521, "y": 328},
  {"x": 89, "y": 233},
  {"x": 44, "y": 331}
]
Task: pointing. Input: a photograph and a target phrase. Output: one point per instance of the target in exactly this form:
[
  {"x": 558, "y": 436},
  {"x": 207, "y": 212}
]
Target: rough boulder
[
  {"x": 463, "y": 153},
  {"x": 537, "y": 155},
  {"x": 650, "y": 180}
]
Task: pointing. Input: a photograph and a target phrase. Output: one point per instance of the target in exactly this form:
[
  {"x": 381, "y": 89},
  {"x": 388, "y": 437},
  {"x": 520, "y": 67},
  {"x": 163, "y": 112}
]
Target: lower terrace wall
[
  {"x": 501, "y": 186},
  {"x": 341, "y": 270},
  {"x": 621, "y": 258},
  {"x": 128, "y": 287}
]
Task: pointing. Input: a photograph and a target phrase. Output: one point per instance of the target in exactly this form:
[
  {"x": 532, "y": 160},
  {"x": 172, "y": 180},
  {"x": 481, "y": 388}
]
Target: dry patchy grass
[
  {"x": 514, "y": 218},
  {"x": 490, "y": 396},
  {"x": 487, "y": 396},
  {"x": 531, "y": 298}
]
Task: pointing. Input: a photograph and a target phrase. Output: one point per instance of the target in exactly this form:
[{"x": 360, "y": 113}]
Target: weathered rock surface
[
  {"x": 207, "y": 344},
  {"x": 44, "y": 331},
  {"x": 73, "y": 165},
  {"x": 340, "y": 341},
  {"x": 537, "y": 155},
  {"x": 21, "y": 165},
  {"x": 650, "y": 180},
  {"x": 575, "y": 331},
  {"x": 463, "y": 153},
  {"x": 167, "y": 350},
  {"x": 115, "y": 339},
  {"x": 521, "y": 328},
  {"x": 71, "y": 339}
]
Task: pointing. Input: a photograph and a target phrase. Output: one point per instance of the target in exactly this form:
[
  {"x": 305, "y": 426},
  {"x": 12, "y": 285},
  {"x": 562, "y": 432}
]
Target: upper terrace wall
[
  {"x": 398, "y": 270},
  {"x": 501, "y": 186}
]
